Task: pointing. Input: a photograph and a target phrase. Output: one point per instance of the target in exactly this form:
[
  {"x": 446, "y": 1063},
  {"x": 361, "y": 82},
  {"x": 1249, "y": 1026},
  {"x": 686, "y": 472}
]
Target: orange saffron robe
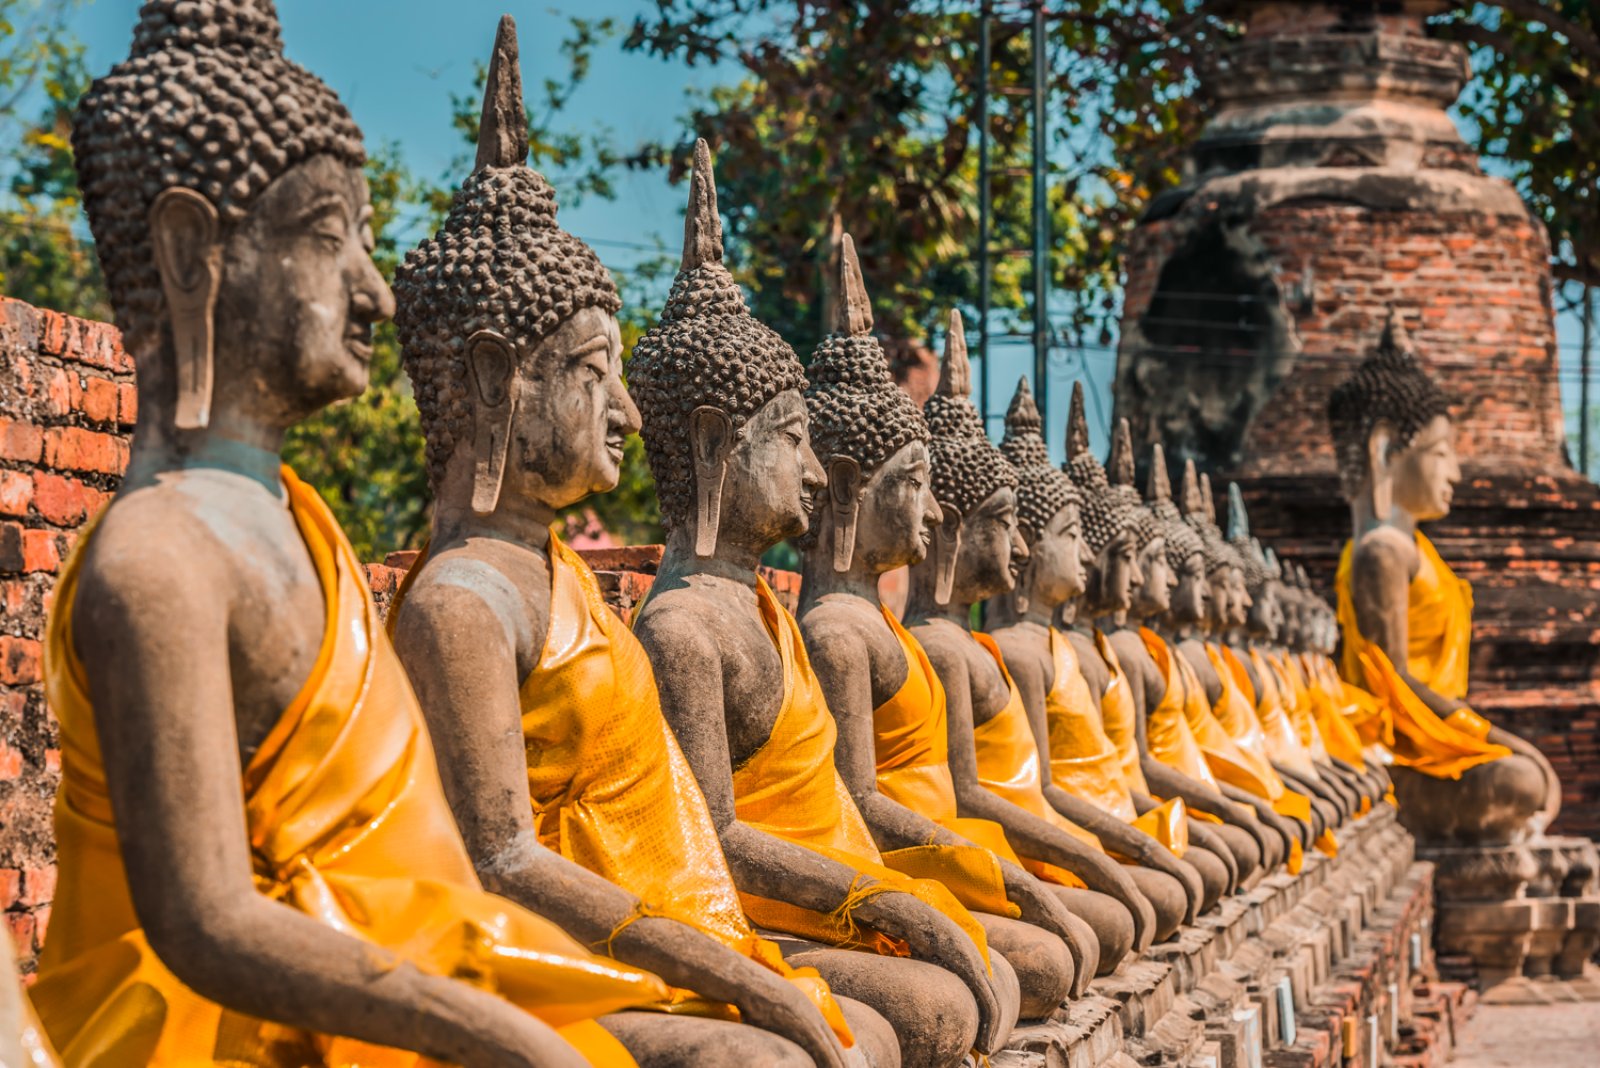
[
  {"x": 1086, "y": 763},
  {"x": 911, "y": 742},
  {"x": 1168, "y": 731},
  {"x": 791, "y": 789},
  {"x": 1008, "y": 766},
  {"x": 1119, "y": 713},
  {"x": 1283, "y": 740},
  {"x": 611, "y": 790},
  {"x": 348, "y": 824},
  {"x": 1439, "y": 636}
]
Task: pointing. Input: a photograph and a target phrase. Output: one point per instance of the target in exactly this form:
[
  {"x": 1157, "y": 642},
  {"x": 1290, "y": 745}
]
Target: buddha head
[
  {"x": 1264, "y": 620},
  {"x": 720, "y": 398},
  {"x": 508, "y": 331},
  {"x": 872, "y": 440},
  {"x": 1190, "y": 602},
  {"x": 224, "y": 188},
  {"x": 1110, "y": 529},
  {"x": 978, "y": 550},
  {"x": 1152, "y": 596},
  {"x": 1392, "y": 433},
  {"x": 1230, "y": 601},
  {"x": 1047, "y": 510}
]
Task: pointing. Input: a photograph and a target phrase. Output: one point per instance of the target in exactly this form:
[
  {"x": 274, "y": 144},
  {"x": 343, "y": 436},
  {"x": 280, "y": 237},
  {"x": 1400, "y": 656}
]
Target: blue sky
[{"x": 395, "y": 63}]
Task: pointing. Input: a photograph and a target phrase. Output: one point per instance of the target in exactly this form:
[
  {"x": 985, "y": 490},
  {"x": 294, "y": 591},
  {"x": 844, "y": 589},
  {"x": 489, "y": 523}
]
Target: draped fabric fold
[
  {"x": 1083, "y": 760},
  {"x": 1119, "y": 713},
  {"x": 912, "y": 747},
  {"x": 348, "y": 824},
  {"x": 1168, "y": 731},
  {"x": 1283, "y": 740},
  {"x": 1439, "y": 634},
  {"x": 1008, "y": 766},
  {"x": 791, "y": 789}
]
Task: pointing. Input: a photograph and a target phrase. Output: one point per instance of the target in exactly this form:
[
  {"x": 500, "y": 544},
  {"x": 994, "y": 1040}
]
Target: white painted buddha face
[{"x": 1426, "y": 471}]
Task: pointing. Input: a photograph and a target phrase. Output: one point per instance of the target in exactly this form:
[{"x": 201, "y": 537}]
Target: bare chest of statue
[{"x": 249, "y": 554}]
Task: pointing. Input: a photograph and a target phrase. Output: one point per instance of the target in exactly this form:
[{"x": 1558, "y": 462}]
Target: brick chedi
[{"x": 1330, "y": 185}]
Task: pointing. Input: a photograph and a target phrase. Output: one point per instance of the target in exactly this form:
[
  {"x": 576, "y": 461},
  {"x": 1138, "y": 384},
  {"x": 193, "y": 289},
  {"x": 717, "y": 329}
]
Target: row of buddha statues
[{"x": 501, "y": 827}]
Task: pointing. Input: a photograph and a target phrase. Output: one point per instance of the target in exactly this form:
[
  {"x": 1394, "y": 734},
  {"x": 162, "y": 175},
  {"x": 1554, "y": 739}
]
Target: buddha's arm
[
  {"x": 842, "y": 659},
  {"x": 1028, "y": 834},
  {"x": 164, "y": 710},
  {"x": 460, "y": 651},
  {"x": 1195, "y": 653},
  {"x": 693, "y": 699},
  {"x": 1272, "y": 851}
]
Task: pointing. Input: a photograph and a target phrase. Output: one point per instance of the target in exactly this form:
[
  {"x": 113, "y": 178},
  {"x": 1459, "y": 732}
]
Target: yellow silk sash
[
  {"x": 1228, "y": 762},
  {"x": 1008, "y": 766},
  {"x": 1439, "y": 627},
  {"x": 1283, "y": 740},
  {"x": 791, "y": 789},
  {"x": 1083, "y": 760},
  {"x": 1329, "y": 708},
  {"x": 1253, "y": 738},
  {"x": 1168, "y": 732},
  {"x": 348, "y": 824},
  {"x": 1119, "y": 713},
  {"x": 912, "y": 747}
]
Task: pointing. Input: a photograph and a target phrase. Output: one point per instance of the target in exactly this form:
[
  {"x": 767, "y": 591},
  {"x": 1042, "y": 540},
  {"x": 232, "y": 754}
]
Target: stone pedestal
[{"x": 1529, "y": 911}]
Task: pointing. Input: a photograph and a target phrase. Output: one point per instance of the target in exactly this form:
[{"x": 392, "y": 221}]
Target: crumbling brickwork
[{"x": 67, "y": 407}]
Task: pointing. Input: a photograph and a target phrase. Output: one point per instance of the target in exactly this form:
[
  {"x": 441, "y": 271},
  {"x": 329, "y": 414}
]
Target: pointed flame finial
[
  {"x": 1208, "y": 503},
  {"x": 1189, "y": 492},
  {"x": 702, "y": 226},
  {"x": 853, "y": 314},
  {"x": 1238, "y": 519},
  {"x": 955, "y": 373},
  {"x": 1023, "y": 414},
  {"x": 1077, "y": 425},
  {"x": 1395, "y": 337},
  {"x": 1160, "y": 488},
  {"x": 1120, "y": 467},
  {"x": 503, "y": 129}
]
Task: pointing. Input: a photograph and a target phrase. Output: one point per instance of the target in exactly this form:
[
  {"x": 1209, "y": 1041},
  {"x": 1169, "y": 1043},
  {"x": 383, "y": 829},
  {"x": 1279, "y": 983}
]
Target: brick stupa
[{"x": 1330, "y": 185}]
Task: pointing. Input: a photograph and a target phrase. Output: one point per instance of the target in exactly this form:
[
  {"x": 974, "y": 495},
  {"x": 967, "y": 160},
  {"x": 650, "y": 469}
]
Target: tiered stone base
[
  {"x": 1520, "y": 921},
  {"x": 1319, "y": 969}
]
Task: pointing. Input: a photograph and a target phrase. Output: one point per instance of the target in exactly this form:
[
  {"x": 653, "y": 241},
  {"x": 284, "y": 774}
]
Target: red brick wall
[
  {"x": 67, "y": 404},
  {"x": 1472, "y": 287}
]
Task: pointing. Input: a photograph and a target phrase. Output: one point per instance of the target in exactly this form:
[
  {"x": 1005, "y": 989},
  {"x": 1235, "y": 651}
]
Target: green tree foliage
[
  {"x": 46, "y": 257},
  {"x": 1534, "y": 103},
  {"x": 861, "y": 115}
]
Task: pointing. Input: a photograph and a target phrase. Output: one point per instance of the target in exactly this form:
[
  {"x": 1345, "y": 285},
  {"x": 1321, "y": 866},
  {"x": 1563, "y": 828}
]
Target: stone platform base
[
  {"x": 1313, "y": 970},
  {"x": 1519, "y": 915}
]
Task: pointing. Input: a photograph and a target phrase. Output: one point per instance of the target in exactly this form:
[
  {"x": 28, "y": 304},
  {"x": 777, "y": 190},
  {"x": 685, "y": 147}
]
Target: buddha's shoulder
[
  {"x": 849, "y": 619},
  {"x": 1386, "y": 550},
  {"x": 683, "y": 615},
  {"x": 177, "y": 524}
]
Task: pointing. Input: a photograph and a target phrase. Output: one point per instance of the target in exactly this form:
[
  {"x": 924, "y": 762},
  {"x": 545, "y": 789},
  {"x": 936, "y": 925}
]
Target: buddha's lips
[
  {"x": 615, "y": 446},
  {"x": 358, "y": 342},
  {"x": 808, "y": 504}
]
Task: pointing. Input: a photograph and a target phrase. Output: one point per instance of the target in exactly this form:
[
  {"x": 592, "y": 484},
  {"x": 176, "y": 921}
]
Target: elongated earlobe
[
  {"x": 946, "y": 544},
  {"x": 188, "y": 252},
  {"x": 844, "y": 493},
  {"x": 492, "y": 360},
  {"x": 1019, "y": 597},
  {"x": 1382, "y": 476},
  {"x": 711, "y": 440}
]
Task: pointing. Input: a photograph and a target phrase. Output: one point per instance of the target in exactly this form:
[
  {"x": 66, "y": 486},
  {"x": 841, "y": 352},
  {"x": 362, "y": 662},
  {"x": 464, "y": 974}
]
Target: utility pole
[
  {"x": 984, "y": 222},
  {"x": 1587, "y": 344},
  {"x": 1041, "y": 223}
]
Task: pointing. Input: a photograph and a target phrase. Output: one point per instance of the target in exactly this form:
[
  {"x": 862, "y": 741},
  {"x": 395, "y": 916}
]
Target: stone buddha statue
[
  {"x": 994, "y": 753},
  {"x": 257, "y": 862},
  {"x": 1319, "y": 712},
  {"x": 595, "y": 821},
  {"x": 1228, "y": 608},
  {"x": 1080, "y": 768},
  {"x": 724, "y": 425},
  {"x": 893, "y": 749},
  {"x": 1406, "y": 617},
  {"x": 1166, "y": 695}
]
